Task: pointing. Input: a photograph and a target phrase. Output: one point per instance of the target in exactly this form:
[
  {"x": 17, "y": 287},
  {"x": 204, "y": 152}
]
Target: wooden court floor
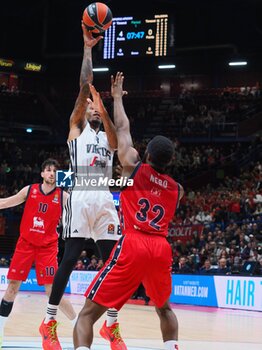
[{"x": 199, "y": 328}]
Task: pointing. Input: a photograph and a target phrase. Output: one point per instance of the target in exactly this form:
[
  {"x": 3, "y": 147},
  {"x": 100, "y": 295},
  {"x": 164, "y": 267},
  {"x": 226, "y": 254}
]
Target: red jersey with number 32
[
  {"x": 41, "y": 215},
  {"x": 150, "y": 204}
]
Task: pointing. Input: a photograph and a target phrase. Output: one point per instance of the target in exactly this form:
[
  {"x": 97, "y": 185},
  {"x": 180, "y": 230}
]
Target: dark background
[{"x": 48, "y": 31}]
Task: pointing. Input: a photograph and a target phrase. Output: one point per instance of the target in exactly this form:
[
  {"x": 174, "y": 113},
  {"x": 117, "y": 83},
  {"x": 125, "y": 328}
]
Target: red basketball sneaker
[
  {"x": 112, "y": 334},
  {"x": 49, "y": 336}
]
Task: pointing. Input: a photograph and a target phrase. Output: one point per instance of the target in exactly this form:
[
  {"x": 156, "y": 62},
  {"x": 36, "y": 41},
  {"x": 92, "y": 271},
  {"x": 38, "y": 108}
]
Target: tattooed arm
[{"x": 77, "y": 120}]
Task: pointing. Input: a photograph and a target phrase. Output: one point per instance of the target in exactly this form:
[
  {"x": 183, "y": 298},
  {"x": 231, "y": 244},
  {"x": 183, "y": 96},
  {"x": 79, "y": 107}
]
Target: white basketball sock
[
  {"x": 111, "y": 317},
  {"x": 171, "y": 345},
  {"x": 51, "y": 312},
  {"x": 2, "y": 324},
  {"x": 82, "y": 348}
]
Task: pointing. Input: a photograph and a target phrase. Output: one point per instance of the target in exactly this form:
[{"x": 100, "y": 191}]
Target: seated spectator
[
  {"x": 195, "y": 259},
  {"x": 79, "y": 265},
  {"x": 203, "y": 217},
  {"x": 100, "y": 264},
  {"x": 207, "y": 269},
  {"x": 222, "y": 267},
  {"x": 182, "y": 267},
  {"x": 93, "y": 264},
  {"x": 248, "y": 252}
]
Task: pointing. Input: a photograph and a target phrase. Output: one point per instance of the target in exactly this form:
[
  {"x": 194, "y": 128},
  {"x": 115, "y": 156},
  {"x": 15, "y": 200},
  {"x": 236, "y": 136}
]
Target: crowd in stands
[
  {"x": 231, "y": 220},
  {"x": 20, "y": 164},
  {"x": 85, "y": 263},
  {"x": 205, "y": 113},
  {"x": 188, "y": 113}
]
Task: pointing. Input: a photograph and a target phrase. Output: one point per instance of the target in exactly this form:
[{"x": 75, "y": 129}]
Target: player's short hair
[
  {"x": 161, "y": 151},
  {"x": 49, "y": 162}
]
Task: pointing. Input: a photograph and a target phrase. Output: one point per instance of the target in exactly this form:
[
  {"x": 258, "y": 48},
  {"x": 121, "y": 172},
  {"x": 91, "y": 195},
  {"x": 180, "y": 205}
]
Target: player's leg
[
  {"x": 7, "y": 303},
  {"x": 18, "y": 271},
  {"x": 65, "y": 306},
  {"x": 168, "y": 326},
  {"x": 48, "y": 328},
  {"x": 157, "y": 283},
  {"x": 107, "y": 233},
  {"x": 76, "y": 229},
  {"x": 73, "y": 249},
  {"x": 107, "y": 289},
  {"x": 83, "y": 331},
  {"x": 105, "y": 248},
  {"x": 46, "y": 267}
]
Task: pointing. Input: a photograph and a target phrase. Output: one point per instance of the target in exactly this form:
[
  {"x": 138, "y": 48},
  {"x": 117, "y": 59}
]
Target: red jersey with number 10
[
  {"x": 41, "y": 215},
  {"x": 150, "y": 204}
]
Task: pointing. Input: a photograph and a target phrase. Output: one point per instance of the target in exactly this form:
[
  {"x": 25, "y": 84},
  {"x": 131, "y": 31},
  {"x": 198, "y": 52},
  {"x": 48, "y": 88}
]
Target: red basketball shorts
[
  {"x": 136, "y": 258},
  {"x": 45, "y": 259}
]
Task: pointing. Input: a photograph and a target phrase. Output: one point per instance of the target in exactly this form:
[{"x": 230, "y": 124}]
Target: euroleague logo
[{"x": 111, "y": 229}]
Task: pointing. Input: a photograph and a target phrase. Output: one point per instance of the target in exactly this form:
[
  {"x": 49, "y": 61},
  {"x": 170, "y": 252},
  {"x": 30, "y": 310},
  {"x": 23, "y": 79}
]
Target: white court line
[
  {"x": 25, "y": 343},
  {"x": 183, "y": 345},
  {"x": 65, "y": 346}
]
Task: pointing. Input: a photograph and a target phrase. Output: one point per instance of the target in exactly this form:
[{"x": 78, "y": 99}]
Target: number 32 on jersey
[{"x": 145, "y": 209}]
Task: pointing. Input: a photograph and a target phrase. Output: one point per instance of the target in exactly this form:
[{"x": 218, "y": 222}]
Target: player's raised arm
[
  {"x": 127, "y": 154},
  {"x": 109, "y": 127},
  {"x": 15, "y": 200},
  {"x": 78, "y": 116}
]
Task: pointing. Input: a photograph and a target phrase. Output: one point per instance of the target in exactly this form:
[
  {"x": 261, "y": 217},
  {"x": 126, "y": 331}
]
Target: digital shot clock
[{"x": 143, "y": 37}]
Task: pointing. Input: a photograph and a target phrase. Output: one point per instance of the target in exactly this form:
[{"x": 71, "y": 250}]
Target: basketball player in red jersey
[
  {"x": 38, "y": 241},
  {"x": 142, "y": 254}
]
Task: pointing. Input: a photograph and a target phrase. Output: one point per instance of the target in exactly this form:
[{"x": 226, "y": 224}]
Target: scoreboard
[{"x": 129, "y": 37}]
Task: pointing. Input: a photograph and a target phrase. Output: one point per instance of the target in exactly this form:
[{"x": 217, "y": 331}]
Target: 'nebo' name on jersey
[{"x": 156, "y": 180}]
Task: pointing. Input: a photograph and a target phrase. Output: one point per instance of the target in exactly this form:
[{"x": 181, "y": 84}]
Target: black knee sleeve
[
  {"x": 6, "y": 308},
  {"x": 73, "y": 249}
]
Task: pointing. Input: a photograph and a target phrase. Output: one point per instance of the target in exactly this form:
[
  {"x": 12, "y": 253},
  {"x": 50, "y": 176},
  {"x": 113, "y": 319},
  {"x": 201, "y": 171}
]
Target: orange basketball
[{"x": 97, "y": 17}]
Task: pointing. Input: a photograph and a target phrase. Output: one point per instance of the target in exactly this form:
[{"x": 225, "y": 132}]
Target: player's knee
[
  {"x": 91, "y": 311},
  {"x": 12, "y": 290},
  {"x": 164, "y": 310},
  {"x": 87, "y": 315}
]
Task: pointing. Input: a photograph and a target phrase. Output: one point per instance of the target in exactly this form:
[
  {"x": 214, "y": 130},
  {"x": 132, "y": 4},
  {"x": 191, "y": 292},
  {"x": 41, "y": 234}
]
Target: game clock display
[{"x": 128, "y": 37}]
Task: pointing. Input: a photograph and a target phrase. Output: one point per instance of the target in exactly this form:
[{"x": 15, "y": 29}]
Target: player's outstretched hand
[
  {"x": 117, "y": 85},
  {"x": 89, "y": 40},
  {"x": 97, "y": 102}
]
